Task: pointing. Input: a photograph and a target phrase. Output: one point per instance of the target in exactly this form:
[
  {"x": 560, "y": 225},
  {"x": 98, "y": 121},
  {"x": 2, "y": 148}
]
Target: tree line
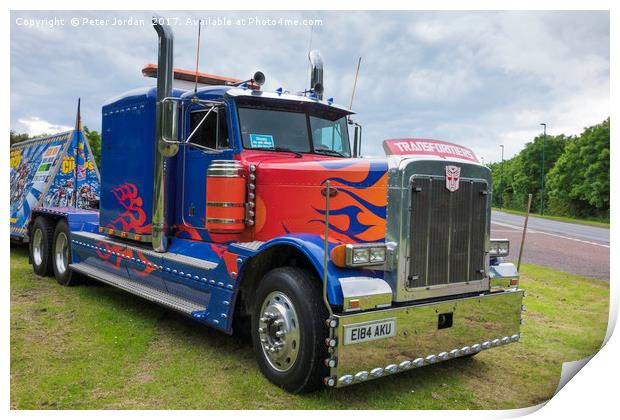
[{"x": 574, "y": 181}]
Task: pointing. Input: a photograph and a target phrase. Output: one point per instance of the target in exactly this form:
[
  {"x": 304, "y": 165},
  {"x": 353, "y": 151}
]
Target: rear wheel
[
  {"x": 288, "y": 331},
  {"x": 41, "y": 246},
  {"x": 61, "y": 255}
]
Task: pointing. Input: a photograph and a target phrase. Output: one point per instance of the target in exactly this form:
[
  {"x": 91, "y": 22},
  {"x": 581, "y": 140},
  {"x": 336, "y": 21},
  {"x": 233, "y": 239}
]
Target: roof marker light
[
  {"x": 330, "y": 101},
  {"x": 279, "y": 91}
]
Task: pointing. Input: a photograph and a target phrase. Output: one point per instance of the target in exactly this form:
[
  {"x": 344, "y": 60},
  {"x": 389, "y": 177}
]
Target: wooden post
[{"x": 527, "y": 216}]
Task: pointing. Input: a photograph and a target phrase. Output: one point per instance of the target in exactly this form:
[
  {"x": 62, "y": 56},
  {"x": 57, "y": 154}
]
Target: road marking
[{"x": 550, "y": 234}]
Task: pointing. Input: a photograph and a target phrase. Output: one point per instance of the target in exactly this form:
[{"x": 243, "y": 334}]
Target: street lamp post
[
  {"x": 501, "y": 179},
  {"x": 542, "y": 171}
]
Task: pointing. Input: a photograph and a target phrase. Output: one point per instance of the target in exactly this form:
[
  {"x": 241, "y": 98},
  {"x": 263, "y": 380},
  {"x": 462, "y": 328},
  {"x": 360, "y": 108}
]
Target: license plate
[{"x": 369, "y": 331}]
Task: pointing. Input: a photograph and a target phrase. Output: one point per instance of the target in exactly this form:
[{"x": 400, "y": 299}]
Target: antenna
[
  {"x": 197, "y": 57},
  {"x": 357, "y": 72}
]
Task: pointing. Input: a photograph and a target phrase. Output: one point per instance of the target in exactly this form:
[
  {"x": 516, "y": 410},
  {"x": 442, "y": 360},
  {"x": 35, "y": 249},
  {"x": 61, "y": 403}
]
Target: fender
[
  {"x": 79, "y": 220},
  {"x": 311, "y": 246}
]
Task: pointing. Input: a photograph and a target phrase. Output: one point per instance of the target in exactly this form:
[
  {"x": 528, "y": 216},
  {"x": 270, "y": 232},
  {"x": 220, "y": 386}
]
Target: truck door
[{"x": 210, "y": 141}]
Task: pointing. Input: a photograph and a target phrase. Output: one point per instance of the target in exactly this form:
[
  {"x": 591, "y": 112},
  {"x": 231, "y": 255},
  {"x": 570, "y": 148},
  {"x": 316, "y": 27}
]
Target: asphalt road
[{"x": 569, "y": 247}]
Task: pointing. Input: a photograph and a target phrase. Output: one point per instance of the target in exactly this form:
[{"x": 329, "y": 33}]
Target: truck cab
[{"x": 247, "y": 209}]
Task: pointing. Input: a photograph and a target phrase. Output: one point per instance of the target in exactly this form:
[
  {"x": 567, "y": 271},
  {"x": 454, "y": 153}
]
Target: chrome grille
[{"x": 447, "y": 232}]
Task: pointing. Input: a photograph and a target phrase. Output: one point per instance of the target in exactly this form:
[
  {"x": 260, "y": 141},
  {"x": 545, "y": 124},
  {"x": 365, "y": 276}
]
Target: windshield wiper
[
  {"x": 284, "y": 149},
  {"x": 329, "y": 152}
]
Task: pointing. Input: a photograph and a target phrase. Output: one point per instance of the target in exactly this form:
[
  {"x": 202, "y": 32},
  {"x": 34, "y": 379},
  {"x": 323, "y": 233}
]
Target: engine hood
[{"x": 290, "y": 197}]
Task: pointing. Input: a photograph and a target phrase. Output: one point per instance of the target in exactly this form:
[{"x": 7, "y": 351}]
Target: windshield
[{"x": 294, "y": 131}]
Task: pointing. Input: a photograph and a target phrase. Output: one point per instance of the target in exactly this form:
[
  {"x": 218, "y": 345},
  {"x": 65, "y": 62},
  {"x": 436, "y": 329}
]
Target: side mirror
[
  {"x": 169, "y": 128},
  {"x": 357, "y": 139}
]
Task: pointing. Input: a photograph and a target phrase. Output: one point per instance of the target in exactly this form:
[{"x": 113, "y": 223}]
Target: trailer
[
  {"x": 244, "y": 208},
  {"x": 44, "y": 174}
]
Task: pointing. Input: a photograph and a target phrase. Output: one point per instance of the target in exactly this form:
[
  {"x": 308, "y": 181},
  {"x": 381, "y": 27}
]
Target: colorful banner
[{"x": 43, "y": 173}]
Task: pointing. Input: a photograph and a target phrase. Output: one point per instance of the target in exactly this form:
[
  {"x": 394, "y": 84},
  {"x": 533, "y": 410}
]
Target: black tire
[
  {"x": 61, "y": 254},
  {"x": 307, "y": 371},
  {"x": 40, "y": 246}
]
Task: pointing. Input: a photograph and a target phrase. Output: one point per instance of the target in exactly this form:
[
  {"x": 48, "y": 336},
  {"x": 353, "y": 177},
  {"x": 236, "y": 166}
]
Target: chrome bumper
[{"x": 477, "y": 323}]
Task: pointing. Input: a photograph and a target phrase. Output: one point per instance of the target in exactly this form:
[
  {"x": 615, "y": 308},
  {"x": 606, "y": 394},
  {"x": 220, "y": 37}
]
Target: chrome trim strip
[
  {"x": 224, "y": 204},
  {"x": 224, "y": 221}
]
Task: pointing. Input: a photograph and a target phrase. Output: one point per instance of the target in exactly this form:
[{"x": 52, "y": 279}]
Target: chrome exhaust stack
[
  {"x": 164, "y": 118},
  {"x": 316, "y": 73}
]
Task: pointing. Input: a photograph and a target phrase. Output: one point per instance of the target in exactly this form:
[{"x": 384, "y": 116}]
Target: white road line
[{"x": 550, "y": 234}]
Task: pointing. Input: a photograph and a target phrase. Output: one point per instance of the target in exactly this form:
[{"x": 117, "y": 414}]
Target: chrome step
[{"x": 146, "y": 292}]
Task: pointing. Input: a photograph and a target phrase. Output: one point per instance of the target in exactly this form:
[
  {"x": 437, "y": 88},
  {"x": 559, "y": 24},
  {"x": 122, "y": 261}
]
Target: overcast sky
[{"x": 480, "y": 79}]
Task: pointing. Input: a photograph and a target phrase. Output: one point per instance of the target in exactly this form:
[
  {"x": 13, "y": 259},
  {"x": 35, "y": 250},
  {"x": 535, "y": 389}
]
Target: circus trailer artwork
[{"x": 44, "y": 174}]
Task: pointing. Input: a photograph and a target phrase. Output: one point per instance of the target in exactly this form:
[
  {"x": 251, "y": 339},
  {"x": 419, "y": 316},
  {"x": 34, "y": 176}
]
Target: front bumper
[{"x": 476, "y": 323}]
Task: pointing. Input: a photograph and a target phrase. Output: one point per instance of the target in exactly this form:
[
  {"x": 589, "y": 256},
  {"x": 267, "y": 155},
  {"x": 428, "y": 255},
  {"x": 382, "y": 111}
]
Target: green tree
[
  {"x": 503, "y": 191},
  {"x": 579, "y": 182},
  {"x": 17, "y": 137},
  {"x": 94, "y": 140},
  {"x": 526, "y": 167}
]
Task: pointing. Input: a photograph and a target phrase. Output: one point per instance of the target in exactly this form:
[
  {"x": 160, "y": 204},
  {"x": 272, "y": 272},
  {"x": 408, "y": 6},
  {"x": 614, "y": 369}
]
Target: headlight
[
  {"x": 357, "y": 255},
  {"x": 360, "y": 256},
  {"x": 499, "y": 247},
  {"x": 377, "y": 254}
]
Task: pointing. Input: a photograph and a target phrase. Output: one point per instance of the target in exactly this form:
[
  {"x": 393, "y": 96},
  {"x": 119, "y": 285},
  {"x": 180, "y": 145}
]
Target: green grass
[
  {"x": 589, "y": 222},
  {"x": 92, "y": 346}
]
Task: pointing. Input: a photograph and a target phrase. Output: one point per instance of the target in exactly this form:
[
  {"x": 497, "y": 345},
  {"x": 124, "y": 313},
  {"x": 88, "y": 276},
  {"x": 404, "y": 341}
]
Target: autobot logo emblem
[{"x": 453, "y": 176}]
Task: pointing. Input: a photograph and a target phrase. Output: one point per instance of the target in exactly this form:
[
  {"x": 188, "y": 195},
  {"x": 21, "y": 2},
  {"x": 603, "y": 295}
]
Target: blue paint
[
  {"x": 128, "y": 146},
  {"x": 375, "y": 173},
  {"x": 355, "y": 226},
  {"x": 379, "y": 211}
]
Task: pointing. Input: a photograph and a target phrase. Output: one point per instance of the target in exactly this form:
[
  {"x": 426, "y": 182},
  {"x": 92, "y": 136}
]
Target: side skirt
[{"x": 192, "y": 286}]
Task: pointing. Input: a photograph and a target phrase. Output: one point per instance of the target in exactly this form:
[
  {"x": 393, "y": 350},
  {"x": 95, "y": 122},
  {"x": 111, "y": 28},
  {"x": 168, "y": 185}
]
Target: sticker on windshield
[{"x": 261, "y": 141}]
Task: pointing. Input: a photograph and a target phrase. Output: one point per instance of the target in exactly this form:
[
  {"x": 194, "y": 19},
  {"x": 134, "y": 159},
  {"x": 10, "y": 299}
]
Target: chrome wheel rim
[
  {"x": 61, "y": 253},
  {"x": 278, "y": 330},
  {"x": 37, "y": 245}
]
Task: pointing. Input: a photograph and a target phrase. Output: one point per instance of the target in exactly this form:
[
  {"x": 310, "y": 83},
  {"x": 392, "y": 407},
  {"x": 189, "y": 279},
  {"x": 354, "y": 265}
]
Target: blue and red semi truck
[{"x": 241, "y": 207}]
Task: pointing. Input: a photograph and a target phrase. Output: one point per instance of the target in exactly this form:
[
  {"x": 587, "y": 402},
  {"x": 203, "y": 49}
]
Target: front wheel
[{"x": 288, "y": 331}]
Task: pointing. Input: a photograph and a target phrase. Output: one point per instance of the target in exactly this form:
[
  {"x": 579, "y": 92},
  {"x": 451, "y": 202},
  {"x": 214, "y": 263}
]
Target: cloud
[
  {"x": 477, "y": 78},
  {"x": 35, "y": 126}
]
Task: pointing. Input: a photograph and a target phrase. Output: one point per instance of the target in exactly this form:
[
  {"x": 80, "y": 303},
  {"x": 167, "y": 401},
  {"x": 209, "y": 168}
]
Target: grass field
[
  {"x": 589, "y": 222},
  {"x": 92, "y": 346}
]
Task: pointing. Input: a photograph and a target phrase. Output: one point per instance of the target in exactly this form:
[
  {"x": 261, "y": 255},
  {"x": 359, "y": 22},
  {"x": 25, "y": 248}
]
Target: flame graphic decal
[
  {"x": 359, "y": 211},
  {"x": 133, "y": 219},
  {"x": 114, "y": 255}
]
